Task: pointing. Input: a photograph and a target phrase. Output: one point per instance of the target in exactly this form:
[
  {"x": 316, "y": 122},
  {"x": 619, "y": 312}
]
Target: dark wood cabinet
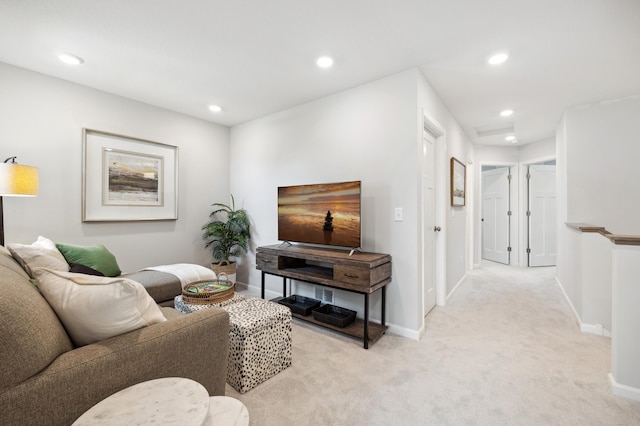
[{"x": 360, "y": 272}]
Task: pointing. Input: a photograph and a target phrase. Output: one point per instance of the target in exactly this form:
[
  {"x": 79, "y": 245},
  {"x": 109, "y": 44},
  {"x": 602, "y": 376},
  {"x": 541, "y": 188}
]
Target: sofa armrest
[{"x": 194, "y": 346}]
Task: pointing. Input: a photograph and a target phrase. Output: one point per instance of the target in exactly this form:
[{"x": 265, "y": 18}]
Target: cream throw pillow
[
  {"x": 41, "y": 254},
  {"x": 95, "y": 308}
]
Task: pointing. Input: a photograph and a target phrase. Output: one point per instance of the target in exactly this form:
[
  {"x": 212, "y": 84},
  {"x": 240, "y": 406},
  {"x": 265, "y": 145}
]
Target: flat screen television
[{"x": 326, "y": 213}]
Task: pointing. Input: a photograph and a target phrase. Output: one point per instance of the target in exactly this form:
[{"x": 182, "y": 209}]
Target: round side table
[
  {"x": 167, "y": 401},
  {"x": 227, "y": 411}
]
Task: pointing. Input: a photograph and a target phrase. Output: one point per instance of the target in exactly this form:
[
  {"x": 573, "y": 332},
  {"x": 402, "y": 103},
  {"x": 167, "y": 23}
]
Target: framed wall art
[
  {"x": 458, "y": 182},
  {"x": 127, "y": 179}
]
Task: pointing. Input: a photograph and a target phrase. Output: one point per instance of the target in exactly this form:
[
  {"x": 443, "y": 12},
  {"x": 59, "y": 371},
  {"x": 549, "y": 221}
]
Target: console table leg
[
  {"x": 263, "y": 284},
  {"x": 366, "y": 321},
  {"x": 384, "y": 310},
  {"x": 284, "y": 287}
]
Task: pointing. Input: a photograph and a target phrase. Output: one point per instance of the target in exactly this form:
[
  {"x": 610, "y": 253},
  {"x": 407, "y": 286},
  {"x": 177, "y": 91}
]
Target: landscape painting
[
  {"x": 458, "y": 182},
  {"x": 132, "y": 179},
  {"x": 320, "y": 213}
]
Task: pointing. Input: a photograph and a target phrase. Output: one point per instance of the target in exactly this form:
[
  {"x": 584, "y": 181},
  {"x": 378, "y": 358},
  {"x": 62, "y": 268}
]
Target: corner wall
[
  {"x": 42, "y": 121},
  {"x": 457, "y": 220},
  {"x": 597, "y": 152},
  {"x": 368, "y": 133}
]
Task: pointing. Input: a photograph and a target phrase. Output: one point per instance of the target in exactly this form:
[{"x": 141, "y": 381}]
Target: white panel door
[
  {"x": 542, "y": 215},
  {"x": 495, "y": 215},
  {"x": 428, "y": 223}
]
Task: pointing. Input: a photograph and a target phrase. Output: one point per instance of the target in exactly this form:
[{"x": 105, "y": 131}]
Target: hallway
[{"x": 527, "y": 350}]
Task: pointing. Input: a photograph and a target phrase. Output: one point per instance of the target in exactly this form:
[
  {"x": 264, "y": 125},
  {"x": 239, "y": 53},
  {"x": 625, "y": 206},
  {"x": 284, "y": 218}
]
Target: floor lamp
[{"x": 16, "y": 180}]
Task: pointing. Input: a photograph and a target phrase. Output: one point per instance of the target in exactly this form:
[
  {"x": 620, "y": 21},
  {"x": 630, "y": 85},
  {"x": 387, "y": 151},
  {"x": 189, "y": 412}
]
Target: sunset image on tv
[{"x": 320, "y": 214}]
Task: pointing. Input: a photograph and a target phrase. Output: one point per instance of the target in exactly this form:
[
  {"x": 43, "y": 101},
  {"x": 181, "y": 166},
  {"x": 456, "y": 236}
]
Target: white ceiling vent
[{"x": 486, "y": 131}]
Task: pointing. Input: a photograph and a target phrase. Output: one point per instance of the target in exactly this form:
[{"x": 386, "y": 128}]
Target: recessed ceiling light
[
  {"x": 324, "y": 62},
  {"x": 215, "y": 108},
  {"x": 510, "y": 138},
  {"x": 506, "y": 112},
  {"x": 498, "y": 58},
  {"x": 70, "y": 59}
]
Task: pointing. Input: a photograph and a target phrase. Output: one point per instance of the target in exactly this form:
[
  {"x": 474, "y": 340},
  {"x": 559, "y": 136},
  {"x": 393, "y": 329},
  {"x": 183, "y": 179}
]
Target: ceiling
[{"x": 258, "y": 57}]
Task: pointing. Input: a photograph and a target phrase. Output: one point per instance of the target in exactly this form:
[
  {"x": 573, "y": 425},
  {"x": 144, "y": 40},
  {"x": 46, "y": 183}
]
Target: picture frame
[
  {"x": 127, "y": 179},
  {"x": 458, "y": 183}
]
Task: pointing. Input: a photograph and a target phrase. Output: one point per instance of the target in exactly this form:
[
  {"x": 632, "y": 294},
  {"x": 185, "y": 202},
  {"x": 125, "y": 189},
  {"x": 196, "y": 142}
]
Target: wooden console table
[{"x": 362, "y": 273}]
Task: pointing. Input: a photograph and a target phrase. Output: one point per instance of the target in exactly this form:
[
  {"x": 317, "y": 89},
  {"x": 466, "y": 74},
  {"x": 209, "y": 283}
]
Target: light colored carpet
[{"x": 505, "y": 350}]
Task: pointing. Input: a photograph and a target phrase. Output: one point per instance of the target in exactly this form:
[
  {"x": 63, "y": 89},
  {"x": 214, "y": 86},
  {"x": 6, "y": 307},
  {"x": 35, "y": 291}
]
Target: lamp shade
[{"x": 17, "y": 179}]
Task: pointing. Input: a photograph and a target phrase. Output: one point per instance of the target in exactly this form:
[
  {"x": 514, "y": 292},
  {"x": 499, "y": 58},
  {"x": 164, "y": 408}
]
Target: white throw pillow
[
  {"x": 94, "y": 308},
  {"x": 41, "y": 254}
]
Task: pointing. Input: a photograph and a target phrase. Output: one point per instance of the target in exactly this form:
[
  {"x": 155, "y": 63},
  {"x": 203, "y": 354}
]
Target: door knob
[{"x": 436, "y": 229}]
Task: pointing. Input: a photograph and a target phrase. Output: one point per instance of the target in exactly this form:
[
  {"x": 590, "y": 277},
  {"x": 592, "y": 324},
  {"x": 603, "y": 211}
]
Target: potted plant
[{"x": 227, "y": 234}]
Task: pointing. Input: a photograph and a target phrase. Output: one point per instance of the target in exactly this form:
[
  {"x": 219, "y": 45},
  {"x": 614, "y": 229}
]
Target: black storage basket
[
  {"x": 299, "y": 304},
  {"x": 334, "y": 315}
]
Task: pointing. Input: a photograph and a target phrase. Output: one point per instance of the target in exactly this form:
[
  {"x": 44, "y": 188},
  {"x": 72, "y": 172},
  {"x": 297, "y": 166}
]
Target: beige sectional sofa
[{"x": 46, "y": 380}]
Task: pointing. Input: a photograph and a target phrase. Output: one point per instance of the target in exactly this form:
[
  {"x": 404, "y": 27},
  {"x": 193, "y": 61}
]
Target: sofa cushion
[
  {"x": 95, "y": 308},
  {"x": 41, "y": 254},
  {"x": 96, "y": 257},
  {"x": 161, "y": 286},
  {"x": 31, "y": 335}
]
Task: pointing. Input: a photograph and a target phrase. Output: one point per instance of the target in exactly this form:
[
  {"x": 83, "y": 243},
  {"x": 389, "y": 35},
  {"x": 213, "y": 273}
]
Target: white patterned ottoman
[{"x": 259, "y": 342}]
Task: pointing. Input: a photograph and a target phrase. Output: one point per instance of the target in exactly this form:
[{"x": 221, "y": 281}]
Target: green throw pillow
[{"x": 96, "y": 257}]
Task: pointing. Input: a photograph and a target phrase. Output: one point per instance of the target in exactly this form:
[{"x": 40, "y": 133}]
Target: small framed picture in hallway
[{"x": 458, "y": 182}]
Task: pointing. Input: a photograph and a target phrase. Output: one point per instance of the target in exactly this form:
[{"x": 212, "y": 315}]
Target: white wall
[
  {"x": 602, "y": 165},
  {"x": 537, "y": 151},
  {"x": 625, "y": 351},
  {"x": 567, "y": 268},
  {"x": 42, "y": 120},
  {"x": 368, "y": 133},
  {"x": 597, "y": 151}
]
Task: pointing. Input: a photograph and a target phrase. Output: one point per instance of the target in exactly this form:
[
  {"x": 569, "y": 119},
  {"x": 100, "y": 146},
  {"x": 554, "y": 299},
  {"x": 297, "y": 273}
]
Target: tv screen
[{"x": 327, "y": 213}]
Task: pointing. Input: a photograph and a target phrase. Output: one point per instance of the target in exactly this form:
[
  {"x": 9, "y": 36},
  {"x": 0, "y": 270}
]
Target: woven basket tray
[{"x": 208, "y": 291}]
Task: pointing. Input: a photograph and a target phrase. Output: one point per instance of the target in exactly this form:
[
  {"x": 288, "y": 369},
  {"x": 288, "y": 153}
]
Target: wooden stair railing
[{"x": 618, "y": 239}]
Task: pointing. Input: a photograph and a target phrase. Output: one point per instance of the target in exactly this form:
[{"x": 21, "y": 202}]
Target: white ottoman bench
[{"x": 259, "y": 342}]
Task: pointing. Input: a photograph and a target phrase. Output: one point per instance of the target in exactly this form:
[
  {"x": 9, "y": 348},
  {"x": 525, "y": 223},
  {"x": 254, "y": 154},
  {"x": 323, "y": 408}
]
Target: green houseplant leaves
[{"x": 227, "y": 233}]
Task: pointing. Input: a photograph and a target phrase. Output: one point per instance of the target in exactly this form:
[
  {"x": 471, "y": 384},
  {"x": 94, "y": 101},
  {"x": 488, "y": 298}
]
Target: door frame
[
  {"x": 514, "y": 194},
  {"x": 440, "y": 198},
  {"x": 523, "y": 229},
  {"x": 483, "y": 219}
]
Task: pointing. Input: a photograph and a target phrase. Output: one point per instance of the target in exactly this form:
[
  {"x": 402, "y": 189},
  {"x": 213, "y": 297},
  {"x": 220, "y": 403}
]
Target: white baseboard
[
  {"x": 573, "y": 309},
  {"x": 404, "y": 332},
  {"x": 241, "y": 286},
  {"x": 596, "y": 329},
  {"x": 458, "y": 284},
  {"x": 624, "y": 391}
]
